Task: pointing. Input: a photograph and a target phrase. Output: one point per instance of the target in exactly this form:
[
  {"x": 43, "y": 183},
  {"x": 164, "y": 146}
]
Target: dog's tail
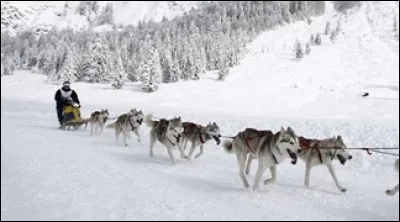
[
  {"x": 148, "y": 120},
  {"x": 228, "y": 146},
  {"x": 111, "y": 125}
]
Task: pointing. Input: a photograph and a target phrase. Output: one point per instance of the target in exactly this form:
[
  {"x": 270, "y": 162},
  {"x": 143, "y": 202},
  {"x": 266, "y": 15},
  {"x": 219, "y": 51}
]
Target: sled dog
[
  {"x": 198, "y": 135},
  {"x": 270, "y": 149},
  {"x": 97, "y": 120},
  {"x": 395, "y": 189},
  {"x": 322, "y": 152},
  {"x": 127, "y": 122},
  {"x": 167, "y": 132}
]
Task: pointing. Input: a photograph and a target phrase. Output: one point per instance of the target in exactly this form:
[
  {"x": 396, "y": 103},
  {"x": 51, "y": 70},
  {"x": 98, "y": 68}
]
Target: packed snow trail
[{"x": 59, "y": 175}]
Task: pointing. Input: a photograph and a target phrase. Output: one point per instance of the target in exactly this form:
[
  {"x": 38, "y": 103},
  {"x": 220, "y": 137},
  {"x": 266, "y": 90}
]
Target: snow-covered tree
[
  {"x": 308, "y": 49},
  {"x": 395, "y": 25},
  {"x": 99, "y": 69},
  {"x": 175, "y": 71},
  {"x": 107, "y": 16},
  {"x": 318, "y": 39},
  {"x": 7, "y": 66},
  {"x": 223, "y": 70},
  {"x": 68, "y": 71},
  {"x": 299, "y": 50},
  {"x": 155, "y": 68},
  {"x": 118, "y": 72},
  {"x": 327, "y": 28}
]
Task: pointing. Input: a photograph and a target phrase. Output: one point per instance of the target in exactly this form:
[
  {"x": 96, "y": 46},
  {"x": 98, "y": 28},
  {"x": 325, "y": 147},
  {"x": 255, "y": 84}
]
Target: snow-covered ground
[
  {"x": 41, "y": 16},
  {"x": 49, "y": 174}
]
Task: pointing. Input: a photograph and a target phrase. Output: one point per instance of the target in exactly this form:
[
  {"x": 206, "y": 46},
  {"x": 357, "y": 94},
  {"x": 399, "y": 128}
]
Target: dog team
[{"x": 269, "y": 148}]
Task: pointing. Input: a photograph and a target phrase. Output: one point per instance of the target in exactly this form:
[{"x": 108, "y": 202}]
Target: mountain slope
[{"x": 41, "y": 16}]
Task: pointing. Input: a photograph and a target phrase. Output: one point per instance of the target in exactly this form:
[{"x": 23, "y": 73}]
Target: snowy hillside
[
  {"x": 41, "y": 16},
  {"x": 49, "y": 174}
]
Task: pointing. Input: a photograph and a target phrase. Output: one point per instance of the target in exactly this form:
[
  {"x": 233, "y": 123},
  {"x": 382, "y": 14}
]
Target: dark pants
[{"x": 60, "y": 114}]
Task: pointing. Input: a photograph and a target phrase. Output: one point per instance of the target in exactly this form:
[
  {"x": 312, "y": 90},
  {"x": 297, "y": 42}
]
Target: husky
[
  {"x": 270, "y": 149},
  {"x": 394, "y": 190},
  {"x": 167, "y": 132},
  {"x": 317, "y": 152},
  {"x": 198, "y": 135},
  {"x": 97, "y": 120},
  {"x": 127, "y": 122}
]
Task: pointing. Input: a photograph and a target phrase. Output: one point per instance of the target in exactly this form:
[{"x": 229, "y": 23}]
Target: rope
[
  {"x": 228, "y": 137},
  {"x": 369, "y": 150}
]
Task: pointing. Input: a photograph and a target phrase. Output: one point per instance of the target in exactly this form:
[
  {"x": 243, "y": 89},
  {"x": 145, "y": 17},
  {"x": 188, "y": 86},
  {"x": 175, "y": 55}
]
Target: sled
[{"x": 72, "y": 117}]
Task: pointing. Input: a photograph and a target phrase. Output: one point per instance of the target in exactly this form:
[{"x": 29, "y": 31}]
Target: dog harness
[
  {"x": 305, "y": 144},
  {"x": 189, "y": 128}
]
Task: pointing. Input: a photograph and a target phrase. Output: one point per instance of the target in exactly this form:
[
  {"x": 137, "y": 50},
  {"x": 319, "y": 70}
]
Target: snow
[
  {"x": 48, "y": 174},
  {"x": 43, "y": 15}
]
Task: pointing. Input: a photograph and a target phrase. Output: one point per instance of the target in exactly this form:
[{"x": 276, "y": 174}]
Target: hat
[{"x": 66, "y": 83}]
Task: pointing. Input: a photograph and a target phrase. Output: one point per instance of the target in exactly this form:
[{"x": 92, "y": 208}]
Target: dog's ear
[
  {"x": 282, "y": 130},
  {"x": 339, "y": 138},
  {"x": 290, "y": 129}
]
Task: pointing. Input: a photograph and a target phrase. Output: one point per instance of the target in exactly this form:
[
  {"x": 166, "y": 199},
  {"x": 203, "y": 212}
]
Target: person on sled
[{"x": 62, "y": 97}]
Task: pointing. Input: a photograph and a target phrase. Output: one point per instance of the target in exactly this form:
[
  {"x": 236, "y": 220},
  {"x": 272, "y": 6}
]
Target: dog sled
[
  {"x": 149, "y": 88},
  {"x": 72, "y": 117}
]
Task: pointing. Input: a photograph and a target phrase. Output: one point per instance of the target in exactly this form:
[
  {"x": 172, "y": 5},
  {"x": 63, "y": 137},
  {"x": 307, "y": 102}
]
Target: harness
[
  {"x": 305, "y": 144},
  {"x": 190, "y": 127},
  {"x": 259, "y": 134},
  {"x": 201, "y": 138},
  {"x": 162, "y": 129},
  {"x": 249, "y": 138},
  {"x": 173, "y": 144}
]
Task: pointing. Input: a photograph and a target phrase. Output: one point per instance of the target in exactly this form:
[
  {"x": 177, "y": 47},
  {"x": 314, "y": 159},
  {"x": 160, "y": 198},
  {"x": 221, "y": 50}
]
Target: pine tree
[
  {"x": 299, "y": 50},
  {"x": 155, "y": 68},
  {"x": 318, "y": 39},
  {"x": 223, "y": 70},
  {"x": 167, "y": 65},
  {"x": 107, "y": 16},
  {"x": 118, "y": 72},
  {"x": 175, "y": 71},
  {"x": 2, "y": 68},
  {"x": 132, "y": 71},
  {"x": 327, "y": 27},
  {"x": 308, "y": 49},
  {"x": 17, "y": 59},
  {"x": 7, "y": 66},
  {"x": 68, "y": 71},
  {"x": 395, "y": 29},
  {"x": 99, "y": 69}
]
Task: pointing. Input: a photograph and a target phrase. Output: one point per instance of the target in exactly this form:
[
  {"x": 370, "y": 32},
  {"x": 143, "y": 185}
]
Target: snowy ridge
[
  {"x": 41, "y": 16},
  {"x": 51, "y": 174}
]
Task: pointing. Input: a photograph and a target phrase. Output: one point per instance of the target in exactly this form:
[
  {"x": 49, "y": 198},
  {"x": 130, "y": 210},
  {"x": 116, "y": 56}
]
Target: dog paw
[
  {"x": 151, "y": 155},
  {"x": 389, "y": 192},
  {"x": 343, "y": 190},
  {"x": 197, "y": 156},
  {"x": 255, "y": 189},
  {"x": 269, "y": 181},
  {"x": 126, "y": 144}
]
